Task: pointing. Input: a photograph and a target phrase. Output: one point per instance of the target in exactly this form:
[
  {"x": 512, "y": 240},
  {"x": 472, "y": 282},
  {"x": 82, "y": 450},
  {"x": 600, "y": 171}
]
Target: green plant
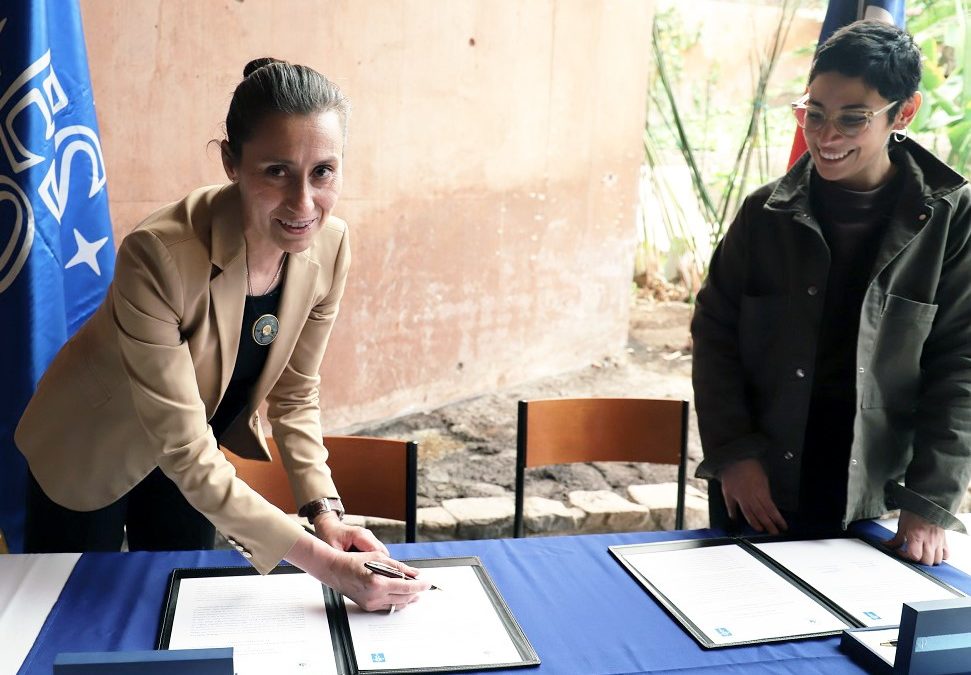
[
  {"x": 941, "y": 28},
  {"x": 673, "y": 125}
]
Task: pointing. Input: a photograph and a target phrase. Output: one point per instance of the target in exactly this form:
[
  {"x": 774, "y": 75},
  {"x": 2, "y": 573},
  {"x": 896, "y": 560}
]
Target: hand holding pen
[{"x": 386, "y": 570}]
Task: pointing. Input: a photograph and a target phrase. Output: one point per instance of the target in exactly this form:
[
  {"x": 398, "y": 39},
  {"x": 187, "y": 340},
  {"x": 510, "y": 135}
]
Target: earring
[{"x": 899, "y": 135}]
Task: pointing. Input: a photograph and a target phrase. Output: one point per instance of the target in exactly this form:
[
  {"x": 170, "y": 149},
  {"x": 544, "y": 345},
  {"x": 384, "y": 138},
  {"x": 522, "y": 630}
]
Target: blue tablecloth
[{"x": 579, "y": 608}]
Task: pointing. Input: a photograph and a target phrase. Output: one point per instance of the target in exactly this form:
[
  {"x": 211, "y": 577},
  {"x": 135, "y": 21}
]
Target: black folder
[
  {"x": 706, "y": 638},
  {"x": 346, "y": 660}
]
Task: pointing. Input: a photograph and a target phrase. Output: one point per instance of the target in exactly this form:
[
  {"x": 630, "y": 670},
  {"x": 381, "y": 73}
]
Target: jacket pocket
[
  {"x": 760, "y": 319},
  {"x": 894, "y": 376}
]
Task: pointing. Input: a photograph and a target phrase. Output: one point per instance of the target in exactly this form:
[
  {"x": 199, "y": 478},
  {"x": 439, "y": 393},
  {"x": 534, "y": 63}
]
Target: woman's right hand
[{"x": 346, "y": 574}]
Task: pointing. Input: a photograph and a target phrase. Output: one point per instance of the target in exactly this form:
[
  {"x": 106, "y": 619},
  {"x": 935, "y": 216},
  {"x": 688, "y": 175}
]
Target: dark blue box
[
  {"x": 163, "y": 662},
  {"x": 935, "y": 637}
]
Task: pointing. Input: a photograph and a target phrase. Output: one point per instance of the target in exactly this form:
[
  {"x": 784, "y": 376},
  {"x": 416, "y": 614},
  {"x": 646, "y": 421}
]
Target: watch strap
[{"x": 313, "y": 509}]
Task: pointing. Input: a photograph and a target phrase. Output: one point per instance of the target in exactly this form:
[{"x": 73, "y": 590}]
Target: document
[
  {"x": 450, "y": 627},
  {"x": 867, "y": 583},
  {"x": 287, "y": 623},
  {"x": 732, "y": 591},
  {"x": 275, "y": 624},
  {"x": 29, "y": 586},
  {"x": 731, "y": 596}
]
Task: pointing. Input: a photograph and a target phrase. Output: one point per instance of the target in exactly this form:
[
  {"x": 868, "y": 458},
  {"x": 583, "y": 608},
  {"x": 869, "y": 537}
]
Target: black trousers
[{"x": 154, "y": 513}]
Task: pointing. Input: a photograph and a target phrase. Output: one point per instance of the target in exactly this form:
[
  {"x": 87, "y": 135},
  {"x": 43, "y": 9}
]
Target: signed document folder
[
  {"x": 289, "y": 623},
  {"x": 735, "y": 591}
]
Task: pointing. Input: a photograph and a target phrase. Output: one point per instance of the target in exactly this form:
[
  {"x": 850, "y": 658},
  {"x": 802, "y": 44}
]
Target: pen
[
  {"x": 889, "y": 643},
  {"x": 389, "y": 571}
]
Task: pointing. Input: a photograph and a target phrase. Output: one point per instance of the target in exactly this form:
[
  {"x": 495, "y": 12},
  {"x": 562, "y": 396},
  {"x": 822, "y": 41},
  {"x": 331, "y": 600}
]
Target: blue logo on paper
[
  {"x": 377, "y": 657},
  {"x": 724, "y": 632},
  {"x": 871, "y": 615}
]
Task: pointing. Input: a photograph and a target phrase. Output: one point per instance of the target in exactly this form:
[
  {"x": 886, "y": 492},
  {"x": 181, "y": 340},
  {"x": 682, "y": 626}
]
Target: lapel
[
  {"x": 298, "y": 288},
  {"x": 227, "y": 287},
  {"x": 911, "y": 214}
]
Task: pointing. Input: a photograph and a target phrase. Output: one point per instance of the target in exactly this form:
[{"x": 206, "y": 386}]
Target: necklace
[
  {"x": 249, "y": 287},
  {"x": 267, "y": 327}
]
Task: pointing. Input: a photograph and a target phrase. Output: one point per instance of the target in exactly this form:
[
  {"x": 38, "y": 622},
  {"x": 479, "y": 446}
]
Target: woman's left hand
[
  {"x": 331, "y": 530},
  {"x": 919, "y": 540}
]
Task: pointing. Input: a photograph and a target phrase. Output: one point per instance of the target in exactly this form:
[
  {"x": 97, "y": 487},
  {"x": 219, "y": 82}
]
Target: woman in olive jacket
[{"x": 832, "y": 337}]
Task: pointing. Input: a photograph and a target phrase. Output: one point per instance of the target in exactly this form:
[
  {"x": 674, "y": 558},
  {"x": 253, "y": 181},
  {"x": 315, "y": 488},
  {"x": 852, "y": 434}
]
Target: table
[{"x": 580, "y": 609}]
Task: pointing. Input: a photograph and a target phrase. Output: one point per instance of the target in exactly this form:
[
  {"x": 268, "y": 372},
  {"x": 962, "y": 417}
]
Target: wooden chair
[
  {"x": 561, "y": 431},
  {"x": 3, "y": 544},
  {"x": 375, "y": 477}
]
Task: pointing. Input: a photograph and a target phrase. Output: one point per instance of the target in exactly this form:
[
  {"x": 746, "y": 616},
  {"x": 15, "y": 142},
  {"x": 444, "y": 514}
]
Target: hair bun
[{"x": 256, "y": 64}]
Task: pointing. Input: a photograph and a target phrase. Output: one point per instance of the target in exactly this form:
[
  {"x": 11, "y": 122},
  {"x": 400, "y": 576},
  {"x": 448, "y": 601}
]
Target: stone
[
  {"x": 662, "y": 500},
  {"x": 577, "y": 476},
  {"x": 486, "y": 490},
  {"x": 609, "y": 512},
  {"x": 482, "y": 517},
  {"x": 549, "y": 516},
  {"x": 436, "y": 524},
  {"x": 619, "y": 473},
  {"x": 437, "y": 475},
  {"x": 385, "y": 529}
]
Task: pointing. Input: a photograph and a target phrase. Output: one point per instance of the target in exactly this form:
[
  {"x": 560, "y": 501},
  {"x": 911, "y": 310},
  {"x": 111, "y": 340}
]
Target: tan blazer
[{"x": 134, "y": 388}]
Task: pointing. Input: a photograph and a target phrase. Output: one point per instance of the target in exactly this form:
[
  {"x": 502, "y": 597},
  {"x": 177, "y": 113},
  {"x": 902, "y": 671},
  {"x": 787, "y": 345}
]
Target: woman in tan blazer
[{"x": 218, "y": 302}]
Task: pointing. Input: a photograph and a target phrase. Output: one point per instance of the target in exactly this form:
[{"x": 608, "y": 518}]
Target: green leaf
[{"x": 930, "y": 17}]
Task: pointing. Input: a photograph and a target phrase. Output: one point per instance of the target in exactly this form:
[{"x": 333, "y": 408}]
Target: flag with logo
[
  {"x": 56, "y": 249},
  {"x": 839, "y": 13}
]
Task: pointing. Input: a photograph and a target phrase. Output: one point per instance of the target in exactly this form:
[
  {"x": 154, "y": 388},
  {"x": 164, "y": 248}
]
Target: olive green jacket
[{"x": 757, "y": 323}]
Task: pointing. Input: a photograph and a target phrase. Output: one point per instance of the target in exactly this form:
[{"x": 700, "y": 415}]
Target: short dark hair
[
  {"x": 886, "y": 57},
  {"x": 272, "y": 86}
]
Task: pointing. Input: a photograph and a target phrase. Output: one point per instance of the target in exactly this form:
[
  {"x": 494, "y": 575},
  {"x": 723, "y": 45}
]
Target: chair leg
[
  {"x": 682, "y": 467},
  {"x": 517, "y": 523}
]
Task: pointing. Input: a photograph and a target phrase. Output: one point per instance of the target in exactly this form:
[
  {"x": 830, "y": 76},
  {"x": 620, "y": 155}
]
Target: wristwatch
[{"x": 313, "y": 509}]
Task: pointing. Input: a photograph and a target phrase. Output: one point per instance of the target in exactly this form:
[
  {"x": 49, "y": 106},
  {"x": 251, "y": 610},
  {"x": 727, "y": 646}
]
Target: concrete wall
[{"x": 490, "y": 177}]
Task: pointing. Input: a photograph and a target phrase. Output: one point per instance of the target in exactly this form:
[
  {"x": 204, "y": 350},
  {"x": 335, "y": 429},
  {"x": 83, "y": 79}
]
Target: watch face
[{"x": 335, "y": 505}]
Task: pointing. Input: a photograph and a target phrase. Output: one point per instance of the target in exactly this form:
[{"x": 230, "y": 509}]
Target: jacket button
[
  {"x": 812, "y": 290},
  {"x": 861, "y": 370},
  {"x": 246, "y": 554},
  {"x": 922, "y": 216},
  {"x": 788, "y": 455},
  {"x": 800, "y": 373},
  {"x": 853, "y": 462}
]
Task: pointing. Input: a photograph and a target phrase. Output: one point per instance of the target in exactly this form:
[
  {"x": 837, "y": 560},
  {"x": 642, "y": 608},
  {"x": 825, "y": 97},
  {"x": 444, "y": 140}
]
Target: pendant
[{"x": 265, "y": 329}]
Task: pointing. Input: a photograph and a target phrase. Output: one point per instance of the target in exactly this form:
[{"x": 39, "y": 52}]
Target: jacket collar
[
  {"x": 228, "y": 247},
  {"x": 934, "y": 178}
]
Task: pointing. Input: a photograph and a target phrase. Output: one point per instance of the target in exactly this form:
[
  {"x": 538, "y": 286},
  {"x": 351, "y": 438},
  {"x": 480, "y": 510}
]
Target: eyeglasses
[{"x": 849, "y": 123}]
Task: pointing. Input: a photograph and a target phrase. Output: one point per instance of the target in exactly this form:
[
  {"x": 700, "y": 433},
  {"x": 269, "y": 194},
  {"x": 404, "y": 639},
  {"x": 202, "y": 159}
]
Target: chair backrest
[
  {"x": 375, "y": 477},
  {"x": 560, "y": 431}
]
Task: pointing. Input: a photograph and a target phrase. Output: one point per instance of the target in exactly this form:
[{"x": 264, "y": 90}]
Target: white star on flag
[{"x": 87, "y": 252}]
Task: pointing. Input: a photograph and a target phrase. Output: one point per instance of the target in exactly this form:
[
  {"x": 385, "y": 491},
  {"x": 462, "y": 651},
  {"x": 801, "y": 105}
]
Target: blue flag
[
  {"x": 839, "y": 13},
  {"x": 56, "y": 249},
  {"x": 842, "y": 12}
]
